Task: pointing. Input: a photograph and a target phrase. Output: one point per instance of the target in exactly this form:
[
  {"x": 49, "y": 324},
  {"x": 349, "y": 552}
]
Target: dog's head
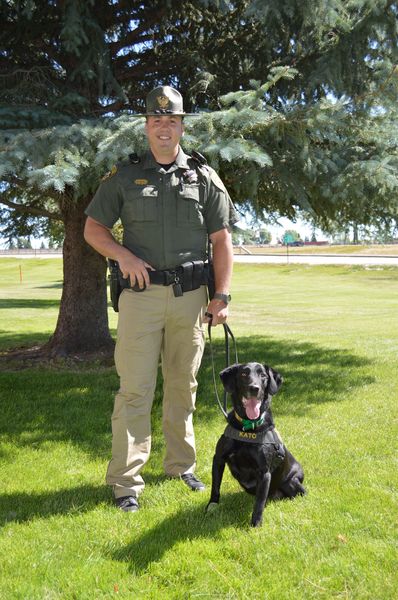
[{"x": 250, "y": 384}]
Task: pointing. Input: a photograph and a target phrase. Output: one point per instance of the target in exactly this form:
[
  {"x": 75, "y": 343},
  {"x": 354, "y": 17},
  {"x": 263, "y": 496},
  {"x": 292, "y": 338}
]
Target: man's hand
[
  {"x": 135, "y": 268},
  {"x": 219, "y": 311},
  {"x": 101, "y": 239}
]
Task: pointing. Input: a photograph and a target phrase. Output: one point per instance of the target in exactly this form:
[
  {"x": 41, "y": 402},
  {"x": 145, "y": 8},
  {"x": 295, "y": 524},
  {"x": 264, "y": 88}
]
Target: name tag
[{"x": 247, "y": 435}]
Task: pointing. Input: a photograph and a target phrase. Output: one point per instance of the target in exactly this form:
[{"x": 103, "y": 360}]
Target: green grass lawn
[{"x": 332, "y": 331}]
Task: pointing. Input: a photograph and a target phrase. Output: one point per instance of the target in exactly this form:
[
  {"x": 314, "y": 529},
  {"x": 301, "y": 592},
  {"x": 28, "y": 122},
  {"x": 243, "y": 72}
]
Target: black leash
[{"x": 227, "y": 334}]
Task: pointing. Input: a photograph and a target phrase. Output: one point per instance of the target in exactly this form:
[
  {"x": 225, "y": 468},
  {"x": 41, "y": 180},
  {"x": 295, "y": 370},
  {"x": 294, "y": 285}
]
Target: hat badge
[{"x": 163, "y": 101}]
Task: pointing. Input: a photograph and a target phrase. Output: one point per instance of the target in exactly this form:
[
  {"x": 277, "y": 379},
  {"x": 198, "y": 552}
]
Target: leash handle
[{"x": 227, "y": 334}]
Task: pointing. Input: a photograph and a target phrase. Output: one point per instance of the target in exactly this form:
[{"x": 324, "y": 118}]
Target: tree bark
[{"x": 82, "y": 325}]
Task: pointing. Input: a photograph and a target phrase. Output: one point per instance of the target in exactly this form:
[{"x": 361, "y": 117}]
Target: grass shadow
[
  {"x": 28, "y": 303},
  {"x": 312, "y": 374},
  {"x": 42, "y": 405},
  {"x": 24, "y": 507},
  {"x": 10, "y": 341},
  {"x": 54, "y": 286}
]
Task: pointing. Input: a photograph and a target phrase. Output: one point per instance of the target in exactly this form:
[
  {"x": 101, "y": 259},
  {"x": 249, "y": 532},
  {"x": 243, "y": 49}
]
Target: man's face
[{"x": 164, "y": 133}]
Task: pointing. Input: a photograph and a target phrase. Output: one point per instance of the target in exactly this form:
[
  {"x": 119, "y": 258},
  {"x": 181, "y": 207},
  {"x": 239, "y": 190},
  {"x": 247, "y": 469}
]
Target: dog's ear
[
  {"x": 274, "y": 380},
  {"x": 228, "y": 378}
]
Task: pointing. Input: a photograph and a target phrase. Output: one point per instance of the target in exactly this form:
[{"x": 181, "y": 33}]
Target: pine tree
[
  {"x": 57, "y": 175},
  {"x": 298, "y": 102}
]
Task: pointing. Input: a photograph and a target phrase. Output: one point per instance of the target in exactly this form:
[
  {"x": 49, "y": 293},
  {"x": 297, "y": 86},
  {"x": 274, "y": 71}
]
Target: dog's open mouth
[{"x": 252, "y": 407}]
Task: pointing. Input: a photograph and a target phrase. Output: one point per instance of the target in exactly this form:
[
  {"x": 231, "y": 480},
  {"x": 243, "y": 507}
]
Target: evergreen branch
[
  {"x": 114, "y": 107},
  {"x": 127, "y": 56},
  {"x": 134, "y": 36},
  {"x": 31, "y": 209},
  {"x": 123, "y": 73}
]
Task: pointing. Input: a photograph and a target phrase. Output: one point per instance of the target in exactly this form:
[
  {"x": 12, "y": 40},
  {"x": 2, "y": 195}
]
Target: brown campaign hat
[{"x": 165, "y": 100}]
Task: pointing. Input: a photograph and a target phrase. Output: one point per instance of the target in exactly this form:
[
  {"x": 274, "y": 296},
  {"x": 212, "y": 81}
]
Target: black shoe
[
  {"x": 193, "y": 482},
  {"x": 127, "y": 503}
]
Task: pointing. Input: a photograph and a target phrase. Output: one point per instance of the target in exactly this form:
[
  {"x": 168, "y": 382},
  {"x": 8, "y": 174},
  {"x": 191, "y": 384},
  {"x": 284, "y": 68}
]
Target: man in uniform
[{"x": 168, "y": 203}]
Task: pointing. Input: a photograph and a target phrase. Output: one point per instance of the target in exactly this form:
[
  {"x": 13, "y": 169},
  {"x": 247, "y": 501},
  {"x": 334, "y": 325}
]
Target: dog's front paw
[
  {"x": 256, "y": 521},
  {"x": 211, "y": 507}
]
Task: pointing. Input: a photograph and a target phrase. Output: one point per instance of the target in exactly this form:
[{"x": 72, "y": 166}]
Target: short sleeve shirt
[{"x": 166, "y": 215}]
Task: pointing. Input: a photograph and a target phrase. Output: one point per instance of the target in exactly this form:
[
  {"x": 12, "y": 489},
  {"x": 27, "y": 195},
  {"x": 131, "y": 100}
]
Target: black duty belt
[{"x": 184, "y": 278}]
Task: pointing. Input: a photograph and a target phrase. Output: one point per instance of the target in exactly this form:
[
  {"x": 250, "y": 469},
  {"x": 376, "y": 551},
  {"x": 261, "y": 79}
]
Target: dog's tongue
[{"x": 252, "y": 408}]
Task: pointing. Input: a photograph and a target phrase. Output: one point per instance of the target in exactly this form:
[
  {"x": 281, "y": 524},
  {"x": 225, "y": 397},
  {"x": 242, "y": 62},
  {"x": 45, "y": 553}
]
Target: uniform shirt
[{"x": 166, "y": 215}]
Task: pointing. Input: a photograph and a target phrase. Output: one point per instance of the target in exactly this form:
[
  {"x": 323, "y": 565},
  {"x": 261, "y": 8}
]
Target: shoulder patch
[
  {"x": 110, "y": 173},
  {"x": 216, "y": 180}
]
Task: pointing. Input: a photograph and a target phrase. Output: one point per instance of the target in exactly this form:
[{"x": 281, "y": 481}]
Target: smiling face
[
  {"x": 164, "y": 133},
  {"x": 250, "y": 385},
  {"x": 251, "y": 381}
]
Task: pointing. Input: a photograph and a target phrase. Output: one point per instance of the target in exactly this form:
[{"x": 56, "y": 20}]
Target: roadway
[
  {"x": 309, "y": 259},
  {"x": 318, "y": 259}
]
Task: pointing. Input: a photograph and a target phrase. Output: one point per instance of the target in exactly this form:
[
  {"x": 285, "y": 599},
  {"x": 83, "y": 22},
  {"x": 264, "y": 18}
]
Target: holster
[{"x": 116, "y": 283}]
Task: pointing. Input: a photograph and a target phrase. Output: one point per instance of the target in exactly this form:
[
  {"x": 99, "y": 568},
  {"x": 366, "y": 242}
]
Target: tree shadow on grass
[
  {"x": 312, "y": 374},
  {"x": 11, "y": 341},
  {"x": 23, "y": 507},
  {"x": 29, "y": 303},
  {"x": 51, "y": 286},
  {"x": 40, "y": 405}
]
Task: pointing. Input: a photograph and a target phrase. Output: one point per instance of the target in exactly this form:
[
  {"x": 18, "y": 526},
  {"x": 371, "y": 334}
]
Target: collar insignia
[{"x": 110, "y": 173}]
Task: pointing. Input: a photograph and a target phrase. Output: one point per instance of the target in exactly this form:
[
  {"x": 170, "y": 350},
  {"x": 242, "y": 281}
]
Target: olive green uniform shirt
[{"x": 166, "y": 215}]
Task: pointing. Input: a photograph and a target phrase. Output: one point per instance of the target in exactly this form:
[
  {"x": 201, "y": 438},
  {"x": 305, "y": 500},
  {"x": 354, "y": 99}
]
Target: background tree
[
  {"x": 302, "y": 115},
  {"x": 265, "y": 236}
]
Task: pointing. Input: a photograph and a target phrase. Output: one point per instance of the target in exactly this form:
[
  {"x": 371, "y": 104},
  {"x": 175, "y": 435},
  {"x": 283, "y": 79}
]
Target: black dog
[{"x": 250, "y": 446}]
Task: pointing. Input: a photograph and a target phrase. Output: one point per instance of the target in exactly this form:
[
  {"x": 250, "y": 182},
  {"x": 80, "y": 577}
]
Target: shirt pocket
[
  {"x": 141, "y": 204},
  {"x": 189, "y": 207}
]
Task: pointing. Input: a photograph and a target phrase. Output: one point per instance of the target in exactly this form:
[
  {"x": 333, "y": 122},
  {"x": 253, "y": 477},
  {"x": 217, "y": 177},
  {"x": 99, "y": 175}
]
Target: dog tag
[{"x": 177, "y": 289}]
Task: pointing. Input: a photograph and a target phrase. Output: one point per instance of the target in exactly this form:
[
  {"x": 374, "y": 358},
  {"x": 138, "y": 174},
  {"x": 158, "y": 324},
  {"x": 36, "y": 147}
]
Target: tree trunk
[
  {"x": 82, "y": 325},
  {"x": 355, "y": 234}
]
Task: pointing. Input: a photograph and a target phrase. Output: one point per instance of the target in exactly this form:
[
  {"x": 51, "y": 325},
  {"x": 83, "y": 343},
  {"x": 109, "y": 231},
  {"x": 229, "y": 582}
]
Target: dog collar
[
  {"x": 249, "y": 423},
  {"x": 270, "y": 436}
]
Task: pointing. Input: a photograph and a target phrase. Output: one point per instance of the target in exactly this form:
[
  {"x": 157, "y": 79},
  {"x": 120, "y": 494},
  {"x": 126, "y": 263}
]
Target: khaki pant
[{"x": 155, "y": 323}]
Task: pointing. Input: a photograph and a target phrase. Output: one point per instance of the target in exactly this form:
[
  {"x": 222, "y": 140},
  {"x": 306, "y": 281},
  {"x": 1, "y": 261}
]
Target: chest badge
[{"x": 140, "y": 181}]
